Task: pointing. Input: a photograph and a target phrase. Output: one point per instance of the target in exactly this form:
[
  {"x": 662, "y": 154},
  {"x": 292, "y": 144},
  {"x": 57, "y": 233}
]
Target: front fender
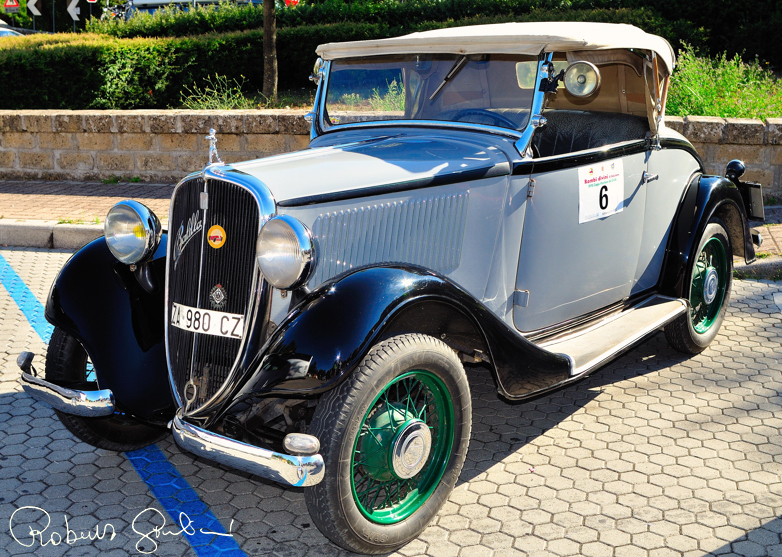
[
  {"x": 706, "y": 197},
  {"x": 326, "y": 336},
  {"x": 100, "y": 302}
]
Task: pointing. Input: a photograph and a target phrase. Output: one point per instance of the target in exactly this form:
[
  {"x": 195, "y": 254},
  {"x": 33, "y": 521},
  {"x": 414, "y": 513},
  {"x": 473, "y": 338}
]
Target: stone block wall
[
  {"x": 165, "y": 145},
  {"x": 719, "y": 140},
  {"x": 155, "y": 146}
]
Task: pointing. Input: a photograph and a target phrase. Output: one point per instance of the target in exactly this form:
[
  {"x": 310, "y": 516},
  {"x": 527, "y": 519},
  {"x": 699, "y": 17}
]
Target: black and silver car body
[{"x": 512, "y": 197}]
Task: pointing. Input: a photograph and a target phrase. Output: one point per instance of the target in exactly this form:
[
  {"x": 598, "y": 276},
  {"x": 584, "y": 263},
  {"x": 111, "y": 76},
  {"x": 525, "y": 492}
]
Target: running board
[{"x": 591, "y": 348}]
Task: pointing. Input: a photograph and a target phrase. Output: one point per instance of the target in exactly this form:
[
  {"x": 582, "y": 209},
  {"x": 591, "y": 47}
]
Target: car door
[
  {"x": 582, "y": 235},
  {"x": 669, "y": 172}
]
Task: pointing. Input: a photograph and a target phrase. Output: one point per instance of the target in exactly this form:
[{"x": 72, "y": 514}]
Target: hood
[{"x": 358, "y": 169}]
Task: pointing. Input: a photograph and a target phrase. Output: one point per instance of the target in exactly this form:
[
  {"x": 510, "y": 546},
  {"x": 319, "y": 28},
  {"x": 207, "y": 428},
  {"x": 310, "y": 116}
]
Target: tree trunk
[{"x": 269, "y": 50}]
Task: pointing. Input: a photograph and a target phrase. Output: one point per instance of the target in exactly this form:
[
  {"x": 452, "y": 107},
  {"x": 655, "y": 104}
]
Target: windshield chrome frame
[
  {"x": 320, "y": 127},
  {"x": 536, "y": 118}
]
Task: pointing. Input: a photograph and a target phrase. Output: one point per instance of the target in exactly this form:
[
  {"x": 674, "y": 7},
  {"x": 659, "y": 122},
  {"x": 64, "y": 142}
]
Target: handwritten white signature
[{"x": 151, "y": 533}]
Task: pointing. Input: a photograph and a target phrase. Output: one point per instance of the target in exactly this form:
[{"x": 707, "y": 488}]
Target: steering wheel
[{"x": 499, "y": 119}]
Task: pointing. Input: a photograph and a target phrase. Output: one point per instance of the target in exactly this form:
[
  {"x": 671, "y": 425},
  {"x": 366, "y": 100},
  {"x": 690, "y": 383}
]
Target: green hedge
[
  {"x": 712, "y": 26},
  {"x": 97, "y": 71}
]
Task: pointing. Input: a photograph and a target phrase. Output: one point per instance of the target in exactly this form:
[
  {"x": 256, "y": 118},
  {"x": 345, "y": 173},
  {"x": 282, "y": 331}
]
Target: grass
[
  {"x": 728, "y": 88},
  {"x": 111, "y": 180},
  {"x": 221, "y": 93}
]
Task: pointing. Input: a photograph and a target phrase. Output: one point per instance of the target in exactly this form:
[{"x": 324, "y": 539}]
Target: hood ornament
[{"x": 214, "y": 156}]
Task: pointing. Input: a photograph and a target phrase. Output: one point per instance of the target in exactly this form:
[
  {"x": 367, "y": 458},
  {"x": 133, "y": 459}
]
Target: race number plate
[
  {"x": 601, "y": 189},
  {"x": 207, "y": 321}
]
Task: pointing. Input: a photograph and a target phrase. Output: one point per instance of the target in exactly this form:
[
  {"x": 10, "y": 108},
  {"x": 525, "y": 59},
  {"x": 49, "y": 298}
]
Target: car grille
[{"x": 195, "y": 268}]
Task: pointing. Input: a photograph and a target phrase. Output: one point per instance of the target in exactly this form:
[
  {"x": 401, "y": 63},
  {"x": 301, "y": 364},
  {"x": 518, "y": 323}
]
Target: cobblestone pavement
[
  {"x": 654, "y": 455},
  {"x": 76, "y": 201}
]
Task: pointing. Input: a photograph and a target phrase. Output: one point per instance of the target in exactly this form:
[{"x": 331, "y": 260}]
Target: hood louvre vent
[{"x": 424, "y": 231}]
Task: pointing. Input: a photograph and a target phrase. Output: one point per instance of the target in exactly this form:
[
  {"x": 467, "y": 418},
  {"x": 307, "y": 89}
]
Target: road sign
[
  {"x": 92, "y": 1},
  {"x": 11, "y": 6},
  {"x": 74, "y": 10},
  {"x": 32, "y": 7}
]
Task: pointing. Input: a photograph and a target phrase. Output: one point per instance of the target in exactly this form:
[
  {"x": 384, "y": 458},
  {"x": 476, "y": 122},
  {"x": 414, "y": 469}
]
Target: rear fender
[
  {"x": 705, "y": 198},
  {"x": 101, "y": 303},
  {"x": 328, "y": 334}
]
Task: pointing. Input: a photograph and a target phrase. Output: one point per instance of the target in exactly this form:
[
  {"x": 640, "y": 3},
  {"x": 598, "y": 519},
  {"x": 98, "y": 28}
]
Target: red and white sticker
[{"x": 601, "y": 190}]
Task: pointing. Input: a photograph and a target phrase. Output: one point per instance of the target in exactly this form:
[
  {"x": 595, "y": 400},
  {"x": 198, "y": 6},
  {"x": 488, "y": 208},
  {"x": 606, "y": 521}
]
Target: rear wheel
[
  {"x": 394, "y": 437},
  {"x": 710, "y": 275},
  {"x": 67, "y": 364}
]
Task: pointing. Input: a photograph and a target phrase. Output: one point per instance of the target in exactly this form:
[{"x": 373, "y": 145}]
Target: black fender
[
  {"x": 326, "y": 336},
  {"x": 706, "y": 197},
  {"x": 102, "y": 303}
]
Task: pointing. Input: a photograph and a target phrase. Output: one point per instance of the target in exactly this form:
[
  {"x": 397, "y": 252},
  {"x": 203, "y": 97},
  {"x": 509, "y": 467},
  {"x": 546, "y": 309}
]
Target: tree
[{"x": 269, "y": 50}]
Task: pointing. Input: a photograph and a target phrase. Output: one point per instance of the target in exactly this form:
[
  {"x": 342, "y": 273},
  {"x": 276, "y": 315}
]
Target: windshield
[{"x": 489, "y": 89}]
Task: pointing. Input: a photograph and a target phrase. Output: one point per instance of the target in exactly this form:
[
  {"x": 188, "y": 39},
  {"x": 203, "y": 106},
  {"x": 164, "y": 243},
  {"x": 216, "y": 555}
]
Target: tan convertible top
[{"x": 509, "y": 38}]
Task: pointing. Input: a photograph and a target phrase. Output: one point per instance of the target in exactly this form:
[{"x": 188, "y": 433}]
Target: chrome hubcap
[
  {"x": 710, "y": 285},
  {"x": 411, "y": 449}
]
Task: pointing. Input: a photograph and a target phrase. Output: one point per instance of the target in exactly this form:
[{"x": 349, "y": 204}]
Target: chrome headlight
[
  {"x": 285, "y": 252},
  {"x": 132, "y": 231}
]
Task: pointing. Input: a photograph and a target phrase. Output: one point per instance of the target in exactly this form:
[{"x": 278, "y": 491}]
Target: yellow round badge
[{"x": 216, "y": 236}]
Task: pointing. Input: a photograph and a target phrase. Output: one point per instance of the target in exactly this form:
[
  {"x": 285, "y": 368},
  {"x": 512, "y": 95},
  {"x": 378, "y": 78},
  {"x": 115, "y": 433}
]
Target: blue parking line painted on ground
[
  {"x": 209, "y": 538},
  {"x": 32, "y": 309},
  {"x": 206, "y": 535}
]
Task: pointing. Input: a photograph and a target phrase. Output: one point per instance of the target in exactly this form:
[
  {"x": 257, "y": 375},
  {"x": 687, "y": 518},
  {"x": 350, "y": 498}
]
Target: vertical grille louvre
[
  {"x": 209, "y": 358},
  {"x": 425, "y": 231}
]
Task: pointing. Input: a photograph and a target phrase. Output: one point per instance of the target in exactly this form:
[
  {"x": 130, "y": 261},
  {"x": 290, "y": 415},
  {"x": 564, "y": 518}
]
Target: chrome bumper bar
[
  {"x": 90, "y": 404},
  {"x": 299, "y": 471}
]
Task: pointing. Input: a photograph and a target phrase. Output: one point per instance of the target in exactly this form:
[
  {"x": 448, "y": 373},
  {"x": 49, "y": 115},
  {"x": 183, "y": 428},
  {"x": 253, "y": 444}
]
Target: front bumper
[
  {"x": 298, "y": 471},
  {"x": 90, "y": 404}
]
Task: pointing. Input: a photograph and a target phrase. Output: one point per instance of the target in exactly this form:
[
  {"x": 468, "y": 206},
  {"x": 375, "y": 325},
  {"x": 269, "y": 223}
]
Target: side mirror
[
  {"x": 317, "y": 71},
  {"x": 582, "y": 79},
  {"x": 735, "y": 170}
]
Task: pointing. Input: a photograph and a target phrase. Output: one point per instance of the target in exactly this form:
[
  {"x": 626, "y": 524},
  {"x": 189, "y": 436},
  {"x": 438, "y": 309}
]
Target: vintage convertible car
[{"x": 504, "y": 195}]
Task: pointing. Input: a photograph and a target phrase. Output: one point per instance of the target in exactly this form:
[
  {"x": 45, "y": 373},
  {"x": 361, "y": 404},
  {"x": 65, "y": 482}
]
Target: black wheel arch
[
  {"x": 101, "y": 303},
  {"x": 328, "y": 334},
  {"x": 706, "y": 197}
]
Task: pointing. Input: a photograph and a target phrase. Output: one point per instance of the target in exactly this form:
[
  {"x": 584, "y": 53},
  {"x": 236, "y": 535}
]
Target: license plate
[{"x": 207, "y": 321}]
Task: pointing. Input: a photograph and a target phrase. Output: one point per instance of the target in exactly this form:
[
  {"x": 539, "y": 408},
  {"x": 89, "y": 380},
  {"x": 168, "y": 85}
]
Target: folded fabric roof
[{"x": 509, "y": 38}]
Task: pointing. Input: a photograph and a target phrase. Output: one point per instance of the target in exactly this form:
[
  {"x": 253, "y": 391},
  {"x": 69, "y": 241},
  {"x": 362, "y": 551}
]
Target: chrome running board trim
[
  {"x": 298, "y": 471},
  {"x": 90, "y": 404},
  {"x": 589, "y": 349}
]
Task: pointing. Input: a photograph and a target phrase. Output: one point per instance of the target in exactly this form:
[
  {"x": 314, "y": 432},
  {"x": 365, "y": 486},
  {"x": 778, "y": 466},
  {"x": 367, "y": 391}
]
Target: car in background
[
  {"x": 6, "y": 31},
  {"x": 502, "y": 195}
]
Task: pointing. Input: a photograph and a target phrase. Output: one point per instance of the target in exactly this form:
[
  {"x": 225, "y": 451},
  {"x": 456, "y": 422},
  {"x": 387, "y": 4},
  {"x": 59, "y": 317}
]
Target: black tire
[
  {"x": 339, "y": 422},
  {"x": 687, "y": 334},
  {"x": 66, "y": 361}
]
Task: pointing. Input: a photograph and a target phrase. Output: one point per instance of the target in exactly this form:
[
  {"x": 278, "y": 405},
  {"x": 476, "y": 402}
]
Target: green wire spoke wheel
[
  {"x": 393, "y": 437},
  {"x": 710, "y": 275},
  {"x": 709, "y": 281},
  {"x": 404, "y": 444}
]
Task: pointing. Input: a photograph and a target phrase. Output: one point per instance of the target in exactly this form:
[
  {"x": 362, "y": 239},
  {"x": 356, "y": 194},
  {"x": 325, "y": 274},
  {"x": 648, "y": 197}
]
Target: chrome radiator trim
[
  {"x": 297, "y": 471},
  {"x": 90, "y": 404},
  {"x": 260, "y": 304}
]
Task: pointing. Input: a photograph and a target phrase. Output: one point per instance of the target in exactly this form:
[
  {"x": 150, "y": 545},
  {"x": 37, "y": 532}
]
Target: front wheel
[
  {"x": 710, "y": 273},
  {"x": 67, "y": 364},
  {"x": 394, "y": 437}
]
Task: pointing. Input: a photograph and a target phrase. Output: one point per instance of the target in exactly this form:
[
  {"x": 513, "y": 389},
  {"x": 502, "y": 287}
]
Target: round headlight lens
[
  {"x": 582, "y": 79},
  {"x": 132, "y": 231},
  {"x": 285, "y": 252}
]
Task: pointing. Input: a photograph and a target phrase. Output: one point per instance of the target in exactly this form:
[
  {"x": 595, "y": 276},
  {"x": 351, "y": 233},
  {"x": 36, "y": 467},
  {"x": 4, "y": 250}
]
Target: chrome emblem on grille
[
  {"x": 185, "y": 234},
  {"x": 218, "y": 296}
]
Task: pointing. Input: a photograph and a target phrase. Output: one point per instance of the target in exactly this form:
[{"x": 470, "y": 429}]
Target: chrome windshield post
[
  {"x": 317, "y": 114},
  {"x": 536, "y": 119}
]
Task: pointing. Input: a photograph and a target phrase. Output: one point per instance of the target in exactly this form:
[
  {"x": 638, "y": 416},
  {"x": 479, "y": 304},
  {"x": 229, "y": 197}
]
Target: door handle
[{"x": 649, "y": 177}]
